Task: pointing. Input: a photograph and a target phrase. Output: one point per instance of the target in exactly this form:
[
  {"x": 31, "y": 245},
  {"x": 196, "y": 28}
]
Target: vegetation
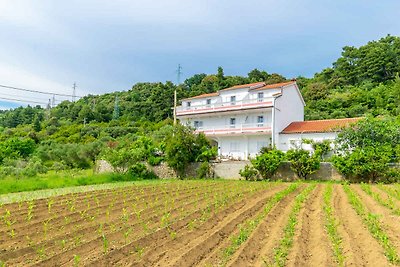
[
  {"x": 331, "y": 225},
  {"x": 135, "y": 126},
  {"x": 303, "y": 162},
  {"x": 268, "y": 162},
  {"x": 366, "y": 150},
  {"x": 374, "y": 225}
]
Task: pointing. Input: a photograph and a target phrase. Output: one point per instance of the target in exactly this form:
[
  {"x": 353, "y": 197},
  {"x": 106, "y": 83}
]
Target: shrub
[
  {"x": 249, "y": 173},
  {"x": 154, "y": 161},
  {"x": 368, "y": 164},
  {"x": 204, "y": 171},
  {"x": 267, "y": 163},
  {"x": 139, "y": 170},
  {"x": 302, "y": 162}
]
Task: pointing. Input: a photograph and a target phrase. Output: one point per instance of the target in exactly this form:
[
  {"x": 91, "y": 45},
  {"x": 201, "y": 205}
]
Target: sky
[{"x": 107, "y": 46}]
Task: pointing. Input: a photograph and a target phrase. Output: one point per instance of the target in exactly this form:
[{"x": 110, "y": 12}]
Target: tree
[
  {"x": 365, "y": 150},
  {"x": 267, "y": 163},
  {"x": 183, "y": 147},
  {"x": 302, "y": 162}
]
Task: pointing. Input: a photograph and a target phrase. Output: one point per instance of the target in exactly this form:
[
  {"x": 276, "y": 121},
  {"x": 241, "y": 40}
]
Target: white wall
[
  {"x": 223, "y": 119},
  {"x": 246, "y": 145},
  {"x": 288, "y": 108},
  {"x": 286, "y": 139}
]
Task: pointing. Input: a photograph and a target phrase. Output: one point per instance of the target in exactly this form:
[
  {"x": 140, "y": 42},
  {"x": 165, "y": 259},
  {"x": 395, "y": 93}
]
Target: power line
[
  {"x": 23, "y": 101},
  {"x": 37, "y": 91}
]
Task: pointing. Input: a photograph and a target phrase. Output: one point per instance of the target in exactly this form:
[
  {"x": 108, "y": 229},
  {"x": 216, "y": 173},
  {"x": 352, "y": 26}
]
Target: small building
[
  {"x": 317, "y": 130},
  {"x": 242, "y": 119}
]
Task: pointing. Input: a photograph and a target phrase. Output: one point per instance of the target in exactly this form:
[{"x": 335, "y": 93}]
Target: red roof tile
[
  {"x": 273, "y": 86},
  {"x": 244, "y": 86},
  {"x": 319, "y": 126},
  {"x": 257, "y": 85},
  {"x": 203, "y": 95}
]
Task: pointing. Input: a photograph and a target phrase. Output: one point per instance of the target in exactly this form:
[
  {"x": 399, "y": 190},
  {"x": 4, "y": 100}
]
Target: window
[
  {"x": 234, "y": 147},
  {"x": 232, "y": 122},
  {"x": 208, "y": 102},
  {"x": 260, "y": 121},
  {"x": 233, "y": 100},
  {"x": 198, "y": 124},
  {"x": 260, "y": 96}
]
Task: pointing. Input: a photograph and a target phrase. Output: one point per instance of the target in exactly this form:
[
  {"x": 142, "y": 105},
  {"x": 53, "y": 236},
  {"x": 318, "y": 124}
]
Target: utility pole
[
  {"x": 179, "y": 73},
  {"x": 116, "y": 108},
  {"x": 74, "y": 92},
  {"x": 53, "y": 101}
]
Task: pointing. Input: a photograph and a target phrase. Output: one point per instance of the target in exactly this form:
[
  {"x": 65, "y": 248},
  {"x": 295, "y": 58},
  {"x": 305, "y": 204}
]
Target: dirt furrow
[
  {"x": 311, "y": 245},
  {"x": 51, "y": 244},
  {"x": 36, "y": 230},
  {"x": 359, "y": 247},
  {"x": 390, "y": 222},
  {"x": 261, "y": 243},
  {"x": 93, "y": 249},
  {"x": 167, "y": 252}
]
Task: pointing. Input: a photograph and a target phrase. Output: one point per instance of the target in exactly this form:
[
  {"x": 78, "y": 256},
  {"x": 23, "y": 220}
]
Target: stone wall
[
  {"x": 230, "y": 170},
  {"x": 326, "y": 172}
]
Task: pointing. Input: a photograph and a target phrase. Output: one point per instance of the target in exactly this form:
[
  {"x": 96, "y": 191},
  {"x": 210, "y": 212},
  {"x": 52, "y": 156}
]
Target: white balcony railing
[
  {"x": 224, "y": 106},
  {"x": 236, "y": 128}
]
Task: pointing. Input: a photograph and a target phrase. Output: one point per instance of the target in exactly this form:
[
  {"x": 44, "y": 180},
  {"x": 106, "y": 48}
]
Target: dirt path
[
  {"x": 359, "y": 247},
  {"x": 265, "y": 238},
  {"x": 390, "y": 222},
  {"x": 311, "y": 245}
]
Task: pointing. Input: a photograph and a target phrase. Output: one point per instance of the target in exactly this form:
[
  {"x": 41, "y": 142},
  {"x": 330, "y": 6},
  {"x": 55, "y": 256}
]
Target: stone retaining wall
[{"x": 230, "y": 170}]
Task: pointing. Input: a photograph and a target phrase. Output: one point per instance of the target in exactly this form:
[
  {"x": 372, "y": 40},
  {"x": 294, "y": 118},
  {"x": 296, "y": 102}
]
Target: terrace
[
  {"x": 250, "y": 128},
  {"x": 224, "y": 106}
]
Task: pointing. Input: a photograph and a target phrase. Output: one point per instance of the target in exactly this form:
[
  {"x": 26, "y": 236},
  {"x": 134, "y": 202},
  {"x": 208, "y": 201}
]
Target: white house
[
  {"x": 242, "y": 119},
  {"x": 318, "y": 130}
]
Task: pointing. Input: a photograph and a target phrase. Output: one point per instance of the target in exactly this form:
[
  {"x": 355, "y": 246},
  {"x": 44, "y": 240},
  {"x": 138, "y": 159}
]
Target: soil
[
  {"x": 312, "y": 246},
  {"x": 203, "y": 216},
  {"x": 359, "y": 247}
]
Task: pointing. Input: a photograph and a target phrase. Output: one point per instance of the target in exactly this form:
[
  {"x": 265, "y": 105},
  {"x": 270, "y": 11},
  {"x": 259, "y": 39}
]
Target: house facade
[{"x": 242, "y": 119}]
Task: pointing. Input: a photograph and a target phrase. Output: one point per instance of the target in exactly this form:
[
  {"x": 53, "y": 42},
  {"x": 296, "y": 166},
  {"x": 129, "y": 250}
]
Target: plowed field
[{"x": 207, "y": 223}]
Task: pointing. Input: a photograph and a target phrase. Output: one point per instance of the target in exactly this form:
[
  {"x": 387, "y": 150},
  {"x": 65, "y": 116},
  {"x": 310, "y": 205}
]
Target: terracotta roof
[
  {"x": 257, "y": 86},
  {"x": 203, "y": 95},
  {"x": 319, "y": 126},
  {"x": 273, "y": 86},
  {"x": 244, "y": 86}
]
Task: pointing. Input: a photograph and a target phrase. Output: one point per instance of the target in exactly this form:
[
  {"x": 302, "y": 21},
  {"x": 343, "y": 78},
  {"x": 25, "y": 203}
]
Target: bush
[
  {"x": 367, "y": 164},
  {"x": 268, "y": 163},
  {"x": 204, "y": 171},
  {"x": 302, "y": 162},
  {"x": 154, "y": 161},
  {"x": 249, "y": 173},
  {"x": 140, "y": 171}
]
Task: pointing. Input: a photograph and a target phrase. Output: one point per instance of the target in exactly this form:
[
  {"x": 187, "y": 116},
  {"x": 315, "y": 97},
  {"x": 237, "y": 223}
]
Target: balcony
[
  {"x": 247, "y": 128},
  {"x": 224, "y": 106}
]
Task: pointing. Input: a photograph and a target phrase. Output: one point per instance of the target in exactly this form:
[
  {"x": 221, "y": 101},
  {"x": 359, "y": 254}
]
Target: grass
[
  {"x": 53, "y": 180},
  {"x": 281, "y": 252},
  {"x": 373, "y": 224},
  {"x": 331, "y": 227}
]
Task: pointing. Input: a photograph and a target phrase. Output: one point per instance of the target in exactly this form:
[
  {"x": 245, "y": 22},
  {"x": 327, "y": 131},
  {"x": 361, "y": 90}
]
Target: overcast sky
[{"x": 106, "y": 46}]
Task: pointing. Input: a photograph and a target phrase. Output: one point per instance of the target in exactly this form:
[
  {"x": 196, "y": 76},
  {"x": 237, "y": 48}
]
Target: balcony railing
[
  {"x": 224, "y": 106},
  {"x": 236, "y": 129}
]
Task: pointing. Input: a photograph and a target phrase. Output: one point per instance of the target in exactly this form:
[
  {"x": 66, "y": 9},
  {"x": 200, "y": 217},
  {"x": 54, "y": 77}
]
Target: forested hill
[{"x": 362, "y": 81}]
